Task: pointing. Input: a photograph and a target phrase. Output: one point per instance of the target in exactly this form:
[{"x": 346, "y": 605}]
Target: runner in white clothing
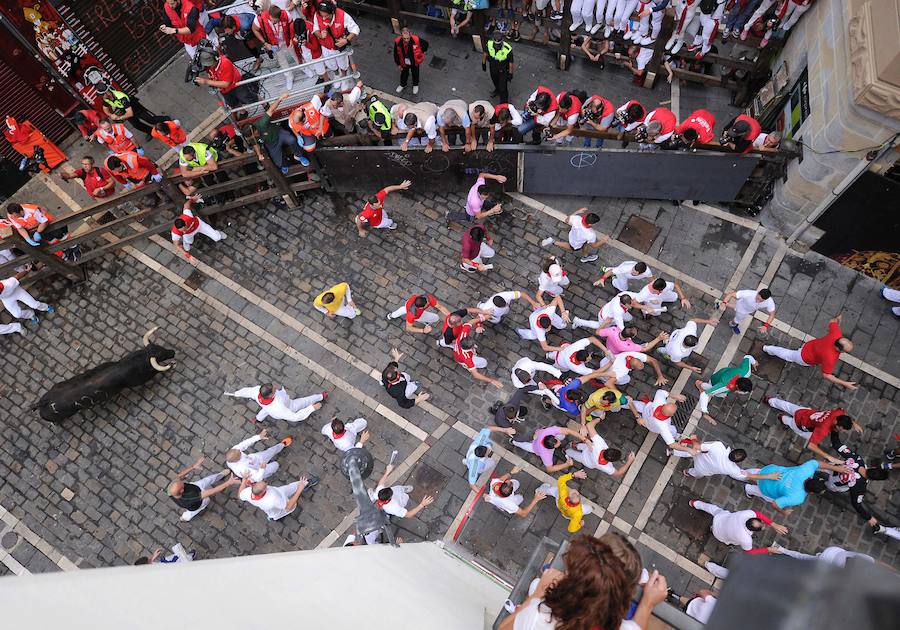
[
  {"x": 623, "y": 273},
  {"x": 714, "y": 458},
  {"x": 553, "y": 279},
  {"x": 524, "y": 370},
  {"x": 277, "y": 403},
  {"x": 624, "y": 362},
  {"x": 746, "y": 303},
  {"x": 598, "y": 455},
  {"x": 276, "y": 501},
  {"x": 499, "y": 304},
  {"x": 617, "y": 310},
  {"x": 737, "y": 528},
  {"x": 832, "y": 555},
  {"x": 682, "y": 342},
  {"x": 571, "y": 357},
  {"x": 11, "y": 294},
  {"x": 343, "y": 434},
  {"x": 656, "y": 416},
  {"x": 541, "y": 320},
  {"x": 394, "y": 500},
  {"x": 581, "y": 234},
  {"x": 259, "y": 465},
  {"x": 187, "y": 226},
  {"x": 659, "y": 292},
  {"x": 502, "y": 495}
]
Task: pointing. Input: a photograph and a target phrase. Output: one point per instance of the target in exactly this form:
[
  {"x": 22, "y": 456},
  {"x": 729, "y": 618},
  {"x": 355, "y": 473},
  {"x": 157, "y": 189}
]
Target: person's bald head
[
  {"x": 669, "y": 409},
  {"x": 259, "y": 488},
  {"x": 176, "y": 488},
  {"x": 636, "y": 364},
  {"x": 232, "y": 455}
]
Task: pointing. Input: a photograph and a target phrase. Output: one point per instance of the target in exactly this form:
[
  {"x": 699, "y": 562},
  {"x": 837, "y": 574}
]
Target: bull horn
[
  {"x": 148, "y": 334},
  {"x": 158, "y": 366}
]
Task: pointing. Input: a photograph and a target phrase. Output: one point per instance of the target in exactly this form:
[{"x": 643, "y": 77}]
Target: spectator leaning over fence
[
  {"x": 740, "y": 133},
  {"x": 409, "y": 54},
  {"x": 308, "y": 50},
  {"x": 597, "y": 114},
  {"x": 638, "y": 58},
  {"x": 540, "y": 111},
  {"x": 183, "y": 20},
  {"x": 454, "y": 114},
  {"x": 98, "y": 182},
  {"x": 697, "y": 128},
  {"x": 132, "y": 170},
  {"x": 421, "y": 116},
  {"x": 506, "y": 121},
  {"x": 498, "y": 56},
  {"x": 273, "y": 30},
  {"x": 198, "y": 159},
  {"x": 170, "y": 133},
  {"x": 344, "y": 109},
  {"x": 273, "y": 137},
  {"x": 460, "y": 17},
  {"x": 568, "y": 114},
  {"x": 480, "y": 126},
  {"x": 187, "y": 226},
  {"x": 379, "y": 120},
  {"x": 309, "y": 124},
  {"x": 336, "y": 31}
]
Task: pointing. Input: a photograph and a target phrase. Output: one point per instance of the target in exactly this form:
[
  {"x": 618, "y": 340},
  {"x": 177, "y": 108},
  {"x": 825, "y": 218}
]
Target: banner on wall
[{"x": 43, "y": 28}]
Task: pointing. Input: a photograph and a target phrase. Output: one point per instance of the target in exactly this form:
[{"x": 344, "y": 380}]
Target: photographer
[
  {"x": 597, "y": 114},
  {"x": 739, "y": 134},
  {"x": 698, "y": 128},
  {"x": 223, "y": 75},
  {"x": 119, "y": 107}
]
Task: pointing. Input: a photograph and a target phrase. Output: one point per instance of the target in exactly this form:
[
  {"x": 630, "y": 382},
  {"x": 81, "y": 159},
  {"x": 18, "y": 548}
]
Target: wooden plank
[
  {"x": 108, "y": 227},
  {"x": 40, "y": 254},
  {"x": 122, "y": 242}
]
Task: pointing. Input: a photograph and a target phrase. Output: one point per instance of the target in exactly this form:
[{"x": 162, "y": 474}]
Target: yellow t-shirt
[
  {"x": 595, "y": 401},
  {"x": 339, "y": 290},
  {"x": 575, "y": 513}
]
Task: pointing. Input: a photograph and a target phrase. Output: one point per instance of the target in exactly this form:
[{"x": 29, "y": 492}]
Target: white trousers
[
  {"x": 203, "y": 484},
  {"x": 555, "y": 320},
  {"x": 428, "y": 317},
  {"x": 794, "y": 12},
  {"x": 333, "y": 62},
  {"x": 621, "y": 282},
  {"x": 788, "y": 420},
  {"x": 684, "y": 17},
  {"x": 624, "y": 10},
  {"x": 648, "y": 22},
  {"x": 206, "y": 230},
  {"x": 708, "y": 33},
  {"x": 892, "y": 295},
  {"x": 8, "y": 329},
  {"x": 296, "y": 404},
  {"x": 785, "y": 354},
  {"x": 484, "y": 253},
  {"x": 595, "y": 323},
  {"x": 583, "y": 12},
  {"x": 11, "y": 303},
  {"x": 763, "y": 7},
  {"x": 266, "y": 457},
  {"x": 286, "y": 59}
]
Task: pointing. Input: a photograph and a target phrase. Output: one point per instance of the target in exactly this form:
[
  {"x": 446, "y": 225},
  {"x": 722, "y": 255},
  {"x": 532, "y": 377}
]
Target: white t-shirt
[
  {"x": 397, "y": 505},
  {"x": 615, "y": 311},
  {"x": 347, "y": 440},
  {"x": 499, "y": 311},
  {"x": 746, "y": 304},
  {"x": 619, "y": 365},
  {"x": 675, "y": 347},
  {"x": 731, "y": 528},
  {"x": 534, "y": 616},
  {"x": 648, "y": 296},
  {"x": 598, "y": 445},
  {"x": 701, "y": 608},
  {"x": 273, "y": 502},
  {"x": 579, "y": 233},
  {"x": 508, "y": 504},
  {"x": 565, "y": 358},
  {"x": 531, "y": 367},
  {"x": 624, "y": 270},
  {"x": 9, "y": 286},
  {"x": 713, "y": 460},
  {"x": 539, "y": 333}
]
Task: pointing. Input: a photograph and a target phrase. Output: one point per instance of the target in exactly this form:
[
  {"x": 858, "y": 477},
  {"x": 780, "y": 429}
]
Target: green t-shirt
[
  {"x": 722, "y": 379},
  {"x": 268, "y": 133}
]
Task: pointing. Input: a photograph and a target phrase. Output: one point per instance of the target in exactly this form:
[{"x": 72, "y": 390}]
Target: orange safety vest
[
  {"x": 135, "y": 167},
  {"x": 28, "y": 222},
  {"x": 179, "y": 20},
  {"x": 116, "y": 140},
  {"x": 311, "y": 124},
  {"x": 175, "y": 136}
]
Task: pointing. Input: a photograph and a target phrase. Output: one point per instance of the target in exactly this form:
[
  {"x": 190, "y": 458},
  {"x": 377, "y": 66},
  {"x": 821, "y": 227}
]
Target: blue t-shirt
[
  {"x": 566, "y": 405},
  {"x": 476, "y": 465},
  {"x": 787, "y": 491}
]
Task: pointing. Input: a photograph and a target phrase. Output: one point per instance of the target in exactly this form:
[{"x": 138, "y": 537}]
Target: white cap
[{"x": 556, "y": 272}]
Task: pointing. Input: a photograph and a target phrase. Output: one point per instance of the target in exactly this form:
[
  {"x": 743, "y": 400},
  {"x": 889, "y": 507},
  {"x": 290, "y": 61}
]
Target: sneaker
[
  {"x": 726, "y": 35},
  {"x": 50, "y": 309},
  {"x": 767, "y": 399},
  {"x": 358, "y": 311},
  {"x": 495, "y": 407},
  {"x": 747, "y": 491},
  {"x": 392, "y": 226},
  {"x": 311, "y": 481},
  {"x": 590, "y": 258},
  {"x": 677, "y": 47},
  {"x": 467, "y": 269},
  {"x": 547, "y": 242},
  {"x": 596, "y": 27},
  {"x": 284, "y": 170},
  {"x": 287, "y": 441},
  {"x": 324, "y": 396},
  {"x": 765, "y": 40},
  {"x": 415, "y": 89},
  {"x": 303, "y": 161},
  {"x": 577, "y": 324},
  {"x": 34, "y": 320},
  {"x": 646, "y": 41},
  {"x": 407, "y": 488},
  {"x": 575, "y": 26},
  {"x": 400, "y": 88},
  {"x": 556, "y": 15},
  {"x": 670, "y": 43},
  {"x": 607, "y": 31},
  {"x": 692, "y": 502},
  {"x": 390, "y": 316},
  {"x": 736, "y": 329},
  {"x": 745, "y": 33}
]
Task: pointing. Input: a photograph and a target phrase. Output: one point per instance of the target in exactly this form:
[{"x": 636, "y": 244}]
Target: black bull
[{"x": 103, "y": 382}]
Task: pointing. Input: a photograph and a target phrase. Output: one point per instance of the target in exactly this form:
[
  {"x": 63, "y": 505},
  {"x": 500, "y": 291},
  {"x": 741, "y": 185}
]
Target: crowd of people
[{"x": 583, "y": 379}]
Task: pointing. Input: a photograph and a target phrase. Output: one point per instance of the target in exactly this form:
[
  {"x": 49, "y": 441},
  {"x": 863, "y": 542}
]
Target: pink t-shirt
[
  {"x": 615, "y": 343},
  {"x": 546, "y": 454},
  {"x": 474, "y": 201}
]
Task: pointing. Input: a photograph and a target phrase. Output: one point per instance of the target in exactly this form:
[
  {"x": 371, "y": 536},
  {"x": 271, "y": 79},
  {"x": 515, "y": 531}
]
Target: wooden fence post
[
  {"x": 564, "y": 58},
  {"x": 394, "y": 8},
  {"x": 75, "y": 272}
]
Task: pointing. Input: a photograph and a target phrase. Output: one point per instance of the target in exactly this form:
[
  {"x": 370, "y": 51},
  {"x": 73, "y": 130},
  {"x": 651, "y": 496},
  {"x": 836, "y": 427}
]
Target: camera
[
  {"x": 205, "y": 56},
  {"x": 31, "y": 165},
  {"x": 640, "y": 134}
]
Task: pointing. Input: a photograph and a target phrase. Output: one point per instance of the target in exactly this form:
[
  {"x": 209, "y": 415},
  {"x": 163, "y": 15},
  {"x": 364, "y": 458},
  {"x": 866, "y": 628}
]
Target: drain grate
[{"x": 639, "y": 233}]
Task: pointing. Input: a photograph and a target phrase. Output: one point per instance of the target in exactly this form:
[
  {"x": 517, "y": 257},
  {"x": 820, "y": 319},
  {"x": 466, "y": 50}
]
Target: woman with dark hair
[
  {"x": 594, "y": 591},
  {"x": 400, "y": 385}
]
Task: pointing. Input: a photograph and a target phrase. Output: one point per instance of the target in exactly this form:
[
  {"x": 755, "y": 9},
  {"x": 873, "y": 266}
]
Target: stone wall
[{"x": 852, "y": 53}]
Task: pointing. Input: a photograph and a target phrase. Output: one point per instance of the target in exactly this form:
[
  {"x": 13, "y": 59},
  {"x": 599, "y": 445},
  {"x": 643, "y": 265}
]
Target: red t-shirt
[
  {"x": 371, "y": 215},
  {"x": 94, "y": 180},
  {"x": 464, "y": 357},
  {"x": 822, "y": 351},
  {"x": 413, "y": 312},
  {"x": 190, "y": 225},
  {"x": 819, "y": 422},
  {"x": 225, "y": 71}
]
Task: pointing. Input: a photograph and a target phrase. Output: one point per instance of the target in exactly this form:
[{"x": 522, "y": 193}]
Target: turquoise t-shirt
[{"x": 787, "y": 491}]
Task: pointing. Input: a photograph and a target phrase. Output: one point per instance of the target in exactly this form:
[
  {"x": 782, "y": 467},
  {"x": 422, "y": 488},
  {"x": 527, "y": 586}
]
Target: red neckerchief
[
  {"x": 257, "y": 497},
  {"x": 381, "y": 503},
  {"x": 338, "y": 436},
  {"x": 396, "y": 380},
  {"x": 732, "y": 384},
  {"x": 601, "y": 459},
  {"x": 570, "y": 504},
  {"x": 496, "y": 488},
  {"x": 659, "y": 415},
  {"x": 584, "y": 222},
  {"x": 264, "y": 401},
  {"x": 628, "y": 362}
]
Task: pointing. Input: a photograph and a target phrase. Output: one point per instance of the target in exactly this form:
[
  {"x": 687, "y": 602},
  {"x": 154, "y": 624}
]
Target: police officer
[
  {"x": 118, "y": 106},
  {"x": 499, "y": 56},
  {"x": 379, "y": 120}
]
